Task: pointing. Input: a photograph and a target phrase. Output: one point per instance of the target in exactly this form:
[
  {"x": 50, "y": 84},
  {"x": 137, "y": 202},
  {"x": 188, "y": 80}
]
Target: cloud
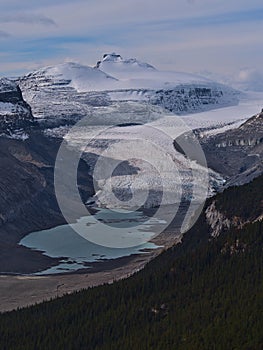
[
  {"x": 4, "y": 34},
  {"x": 183, "y": 35},
  {"x": 28, "y": 19},
  {"x": 250, "y": 79}
]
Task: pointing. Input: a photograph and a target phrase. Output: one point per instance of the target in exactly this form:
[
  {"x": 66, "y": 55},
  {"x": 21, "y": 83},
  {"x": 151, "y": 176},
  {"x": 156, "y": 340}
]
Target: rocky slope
[
  {"x": 235, "y": 208},
  {"x": 15, "y": 113},
  {"x": 27, "y": 198},
  {"x": 237, "y": 153}
]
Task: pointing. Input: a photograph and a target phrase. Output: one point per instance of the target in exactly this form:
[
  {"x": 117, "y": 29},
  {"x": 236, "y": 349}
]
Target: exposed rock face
[
  {"x": 237, "y": 153},
  {"x": 216, "y": 220},
  {"x": 54, "y": 101},
  {"x": 249, "y": 134},
  {"x": 187, "y": 99},
  {"x": 219, "y": 222},
  {"x": 125, "y": 63},
  {"x": 15, "y": 113}
]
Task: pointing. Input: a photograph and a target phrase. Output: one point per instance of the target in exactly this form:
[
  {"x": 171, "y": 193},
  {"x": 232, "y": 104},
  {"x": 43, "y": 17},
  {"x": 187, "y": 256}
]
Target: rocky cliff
[
  {"x": 237, "y": 153},
  {"x": 15, "y": 113},
  {"x": 235, "y": 207}
]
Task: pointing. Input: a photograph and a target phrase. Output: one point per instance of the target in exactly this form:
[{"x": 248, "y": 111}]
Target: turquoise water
[{"x": 75, "y": 251}]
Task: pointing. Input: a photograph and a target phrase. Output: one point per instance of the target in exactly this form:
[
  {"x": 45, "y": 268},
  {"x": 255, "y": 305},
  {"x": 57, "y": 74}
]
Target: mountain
[
  {"x": 66, "y": 92},
  {"x": 27, "y": 198},
  {"x": 123, "y": 92},
  {"x": 237, "y": 153},
  {"x": 115, "y": 65},
  {"x": 15, "y": 113},
  {"x": 53, "y": 92},
  {"x": 205, "y": 293},
  {"x": 61, "y": 95}
]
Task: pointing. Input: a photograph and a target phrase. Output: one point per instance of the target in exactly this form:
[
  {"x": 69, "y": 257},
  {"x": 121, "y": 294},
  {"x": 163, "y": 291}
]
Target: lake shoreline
[{"x": 23, "y": 290}]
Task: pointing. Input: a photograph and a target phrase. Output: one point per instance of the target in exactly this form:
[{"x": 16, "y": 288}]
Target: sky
[{"x": 218, "y": 38}]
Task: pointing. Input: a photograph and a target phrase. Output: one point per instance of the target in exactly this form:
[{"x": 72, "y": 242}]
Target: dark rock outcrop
[
  {"x": 15, "y": 113},
  {"x": 185, "y": 99},
  {"x": 237, "y": 153}
]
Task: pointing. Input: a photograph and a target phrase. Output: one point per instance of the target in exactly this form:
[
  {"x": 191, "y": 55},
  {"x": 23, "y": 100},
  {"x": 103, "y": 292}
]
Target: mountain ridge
[
  {"x": 70, "y": 89},
  {"x": 238, "y": 153}
]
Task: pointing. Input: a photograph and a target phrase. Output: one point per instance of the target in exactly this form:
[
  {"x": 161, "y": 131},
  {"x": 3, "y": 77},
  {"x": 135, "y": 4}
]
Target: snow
[
  {"x": 133, "y": 74},
  {"x": 6, "y": 108},
  {"x": 127, "y": 89},
  {"x": 249, "y": 105},
  {"x": 148, "y": 148},
  {"x": 151, "y": 143},
  {"x": 7, "y": 85},
  {"x": 115, "y": 65},
  {"x": 219, "y": 130},
  {"x": 70, "y": 91},
  {"x": 18, "y": 135},
  {"x": 12, "y": 109},
  {"x": 115, "y": 73},
  {"x": 116, "y": 95},
  {"x": 81, "y": 78}
]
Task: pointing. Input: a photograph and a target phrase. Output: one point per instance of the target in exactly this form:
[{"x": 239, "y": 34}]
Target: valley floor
[
  {"x": 21, "y": 291},
  {"x": 18, "y": 291}
]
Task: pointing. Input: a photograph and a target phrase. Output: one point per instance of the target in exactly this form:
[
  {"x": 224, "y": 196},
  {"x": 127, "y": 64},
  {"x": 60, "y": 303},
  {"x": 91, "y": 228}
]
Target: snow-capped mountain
[
  {"x": 81, "y": 78},
  {"x": 120, "y": 93},
  {"x": 67, "y": 91},
  {"x": 15, "y": 113},
  {"x": 121, "y": 68}
]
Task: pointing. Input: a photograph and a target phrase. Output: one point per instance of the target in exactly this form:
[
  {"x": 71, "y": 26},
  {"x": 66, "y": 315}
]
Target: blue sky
[{"x": 219, "y": 36}]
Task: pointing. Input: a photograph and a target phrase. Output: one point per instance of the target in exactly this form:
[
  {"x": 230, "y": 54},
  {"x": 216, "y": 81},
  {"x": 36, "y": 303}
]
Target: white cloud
[
  {"x": 26, "y": 18},
  {"x": 249, "y": 79},
  {"x": 185, "y": 35}
]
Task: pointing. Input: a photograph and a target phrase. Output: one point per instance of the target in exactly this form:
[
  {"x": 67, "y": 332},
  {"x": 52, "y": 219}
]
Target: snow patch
[{"x": 6, "y": 108}]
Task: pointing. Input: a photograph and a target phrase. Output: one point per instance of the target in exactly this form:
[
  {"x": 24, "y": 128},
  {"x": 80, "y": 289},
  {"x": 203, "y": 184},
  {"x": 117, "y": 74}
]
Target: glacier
[
  {"x": 126, "y": 103},
  {"x": 66, "y": 92}
]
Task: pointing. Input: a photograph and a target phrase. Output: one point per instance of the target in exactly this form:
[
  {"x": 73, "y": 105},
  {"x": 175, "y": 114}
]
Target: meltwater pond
[{"x": 76, "y": 250}]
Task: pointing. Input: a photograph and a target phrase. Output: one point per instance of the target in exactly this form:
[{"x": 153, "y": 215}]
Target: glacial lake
[{"x": 76, "y": 250}]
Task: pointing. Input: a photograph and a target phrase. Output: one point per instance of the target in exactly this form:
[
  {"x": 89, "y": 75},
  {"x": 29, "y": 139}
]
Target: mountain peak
[
  {"x": 115, "y": 61},
  {"x": 112, "y": 57}
]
